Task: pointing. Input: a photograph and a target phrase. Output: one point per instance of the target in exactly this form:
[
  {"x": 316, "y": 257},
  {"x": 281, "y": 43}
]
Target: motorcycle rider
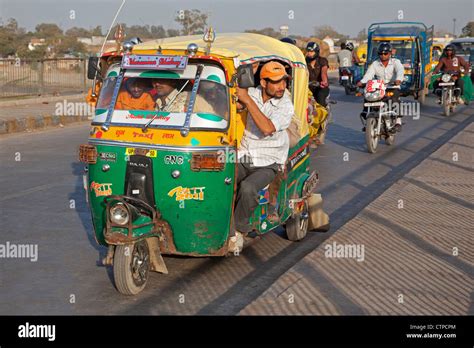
[
  {"x": 347, "y": 58},
  {"x": 388, "y": 69},
  {"x": 451, "y": 63},
  {"x": 318, "y": 73}
]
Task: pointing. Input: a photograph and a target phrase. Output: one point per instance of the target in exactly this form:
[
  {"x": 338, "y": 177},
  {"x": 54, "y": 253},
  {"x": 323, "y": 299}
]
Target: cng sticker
[{"x": 148, "y": 153}]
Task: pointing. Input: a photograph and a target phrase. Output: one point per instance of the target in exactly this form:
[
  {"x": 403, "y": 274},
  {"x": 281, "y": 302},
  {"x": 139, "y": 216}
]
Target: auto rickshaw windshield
[{"x": 166, "y": 95}]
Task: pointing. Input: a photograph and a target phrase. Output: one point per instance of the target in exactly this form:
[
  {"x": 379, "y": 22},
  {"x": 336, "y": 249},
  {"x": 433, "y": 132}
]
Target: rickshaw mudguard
[
  {"x": 196, "y": 205},
  {"x": 291, "y": 187}
]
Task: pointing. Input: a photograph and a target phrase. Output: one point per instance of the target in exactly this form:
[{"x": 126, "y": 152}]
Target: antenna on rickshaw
[{"x": 105, "y": 40}]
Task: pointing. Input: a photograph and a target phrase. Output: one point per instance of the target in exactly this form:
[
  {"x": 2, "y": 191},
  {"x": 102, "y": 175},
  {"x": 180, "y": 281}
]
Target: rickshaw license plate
[
  {"x": 344, "y": 77},
  {"x": 132, "y": 151},
  {"x": 446, "y": 83}
]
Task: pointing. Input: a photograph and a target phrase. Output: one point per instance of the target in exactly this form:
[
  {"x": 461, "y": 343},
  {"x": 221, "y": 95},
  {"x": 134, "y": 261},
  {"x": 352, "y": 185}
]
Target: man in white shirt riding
[{"x": 388, "y": 69}]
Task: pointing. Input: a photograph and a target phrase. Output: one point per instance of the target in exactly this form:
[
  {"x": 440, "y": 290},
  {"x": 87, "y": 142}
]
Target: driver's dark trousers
[{"x": 250, "y": 180}]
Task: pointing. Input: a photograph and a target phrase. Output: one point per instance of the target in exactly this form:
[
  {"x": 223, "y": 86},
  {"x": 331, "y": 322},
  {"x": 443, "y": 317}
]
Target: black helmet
[
  {"x": 349, "y": 46},
  {"x": 312, "y": 46},
  {"x": 450, "y": 47},
  {"x": 384, "y": 47},
  {"x": 288, "y": 40}
]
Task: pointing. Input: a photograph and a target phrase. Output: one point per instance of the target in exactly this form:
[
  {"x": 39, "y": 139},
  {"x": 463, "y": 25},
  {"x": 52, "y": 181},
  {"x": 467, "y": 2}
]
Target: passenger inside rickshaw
[{"x": 164, "y": 94}]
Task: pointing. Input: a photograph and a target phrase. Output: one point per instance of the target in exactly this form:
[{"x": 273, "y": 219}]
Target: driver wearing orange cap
[{"x": 264, "y": 146}]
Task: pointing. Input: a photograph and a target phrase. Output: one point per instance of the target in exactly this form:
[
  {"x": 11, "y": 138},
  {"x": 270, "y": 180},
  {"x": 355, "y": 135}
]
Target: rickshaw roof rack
[
  {"x": 412, "y": 29},
  {"x": 247, "y": 47}
]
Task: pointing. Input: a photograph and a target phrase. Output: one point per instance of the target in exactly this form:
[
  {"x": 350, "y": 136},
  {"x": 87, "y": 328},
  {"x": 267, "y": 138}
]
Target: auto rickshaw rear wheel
[
  {"x": 131, "y": 267},
  {"x": 297, "y": 225}
]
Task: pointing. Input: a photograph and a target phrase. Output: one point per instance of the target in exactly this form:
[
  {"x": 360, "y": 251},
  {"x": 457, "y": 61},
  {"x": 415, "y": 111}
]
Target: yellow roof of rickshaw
[{"x": 247, "y": 47}]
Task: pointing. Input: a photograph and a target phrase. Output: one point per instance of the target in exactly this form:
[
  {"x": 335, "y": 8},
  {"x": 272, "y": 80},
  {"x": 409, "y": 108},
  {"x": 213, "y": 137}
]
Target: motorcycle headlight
[
  {"x": 119, "y": 214},
  {"x": 446, "y": 77}
]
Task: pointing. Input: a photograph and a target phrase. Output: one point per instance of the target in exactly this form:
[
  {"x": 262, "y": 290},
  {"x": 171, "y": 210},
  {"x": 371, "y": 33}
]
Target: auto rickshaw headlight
[
  {"x": 446, "y": 77},
  {"x": 119, "y": 214}
]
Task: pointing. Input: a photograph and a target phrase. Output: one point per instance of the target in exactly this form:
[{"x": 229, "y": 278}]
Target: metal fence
[{"x": 23, "y": 77}]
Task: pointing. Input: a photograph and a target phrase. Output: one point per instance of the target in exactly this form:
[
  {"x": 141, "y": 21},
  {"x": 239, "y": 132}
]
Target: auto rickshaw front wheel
[
  {"x": 297, "y": 225},
  {"x": 131, "y": 267}
]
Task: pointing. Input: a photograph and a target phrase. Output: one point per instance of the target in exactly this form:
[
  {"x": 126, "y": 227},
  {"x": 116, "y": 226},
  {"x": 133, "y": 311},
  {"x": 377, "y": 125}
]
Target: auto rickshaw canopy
[{"x": 247, "y": 48}]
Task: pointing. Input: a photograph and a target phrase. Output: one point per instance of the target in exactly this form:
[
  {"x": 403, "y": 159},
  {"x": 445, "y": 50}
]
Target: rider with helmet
[
  {"x": 388, "y": 69},
  {"x": 318, "y": 73},
  {"x": 288, "y": 40},
  {"x": 347, "y": 58},
  {"x": 449, "y": 62}
]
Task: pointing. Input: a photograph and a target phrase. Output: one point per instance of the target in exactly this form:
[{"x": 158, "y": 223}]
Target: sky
[{"x": 301, "y": 16}]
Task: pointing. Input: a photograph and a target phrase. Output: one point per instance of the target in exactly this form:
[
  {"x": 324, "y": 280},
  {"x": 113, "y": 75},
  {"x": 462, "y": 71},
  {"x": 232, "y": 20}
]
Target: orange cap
[{"x": 273, "y": 71}]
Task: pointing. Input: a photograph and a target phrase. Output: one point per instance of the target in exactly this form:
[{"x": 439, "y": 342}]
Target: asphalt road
[{"x": 42, "y": 202}]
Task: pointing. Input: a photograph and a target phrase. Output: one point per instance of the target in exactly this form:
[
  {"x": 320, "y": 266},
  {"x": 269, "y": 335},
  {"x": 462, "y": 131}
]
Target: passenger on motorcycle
[
  {"x": 347, "y": 58},
  {"x": 388, "y": 69},
  {"x": 318, "y": 73},
  {"x": 451, "y": 63}
]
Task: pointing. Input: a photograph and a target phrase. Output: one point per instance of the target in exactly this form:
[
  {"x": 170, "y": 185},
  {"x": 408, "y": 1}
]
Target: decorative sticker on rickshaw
[
  {"x": 101, "y": 189},
  {"x": 129, "y": 151},
  {"x": 108, "y": 156},
  {"x": 174, "y": 159},
  {"x": 162, "y": 62},
  {"x": 185, "y": 193},
  {"x": 297, "y": 158}
]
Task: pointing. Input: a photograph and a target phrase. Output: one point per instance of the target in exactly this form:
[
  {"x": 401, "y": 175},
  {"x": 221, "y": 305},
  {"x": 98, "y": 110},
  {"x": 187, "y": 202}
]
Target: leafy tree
[
  {"x": 326, "y": 30},
  {"x": 266, "y": 31},
  {"x": 157, "y": 32},
  {"x": 97, "y": 31},
  {"x": 468, "y": 30},
  {"x": 48, "y": 31},
  {"x": 69, "y": 45},
  {"x": 192, "y": 22},
  {"x": 78, "y": 32},
  {"x": 172, "y": 32},
  {"x": 362, "y": 35}
]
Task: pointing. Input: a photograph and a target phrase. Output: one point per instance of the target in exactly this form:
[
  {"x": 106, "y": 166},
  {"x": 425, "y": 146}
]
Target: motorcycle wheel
[
  {"x": 370, "y": 138},
  {"x": 445, "y": 102}
]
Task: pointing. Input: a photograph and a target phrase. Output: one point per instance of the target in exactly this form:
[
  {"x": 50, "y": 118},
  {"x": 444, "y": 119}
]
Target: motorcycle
[
  {"x": 378, "y": 116},
  {"x": 347, "y": 80},
  {"x": 450, "y": 94}
]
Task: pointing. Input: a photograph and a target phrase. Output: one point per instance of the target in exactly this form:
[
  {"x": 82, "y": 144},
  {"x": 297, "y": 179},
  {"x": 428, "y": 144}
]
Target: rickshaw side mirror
[
  {"x": 93, "y": 68},
  {"x": 245, "y": 77}
]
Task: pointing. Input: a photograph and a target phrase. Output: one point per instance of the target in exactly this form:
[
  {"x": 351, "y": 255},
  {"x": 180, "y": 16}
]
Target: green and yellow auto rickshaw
[{"x": 164, "y": 182}]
